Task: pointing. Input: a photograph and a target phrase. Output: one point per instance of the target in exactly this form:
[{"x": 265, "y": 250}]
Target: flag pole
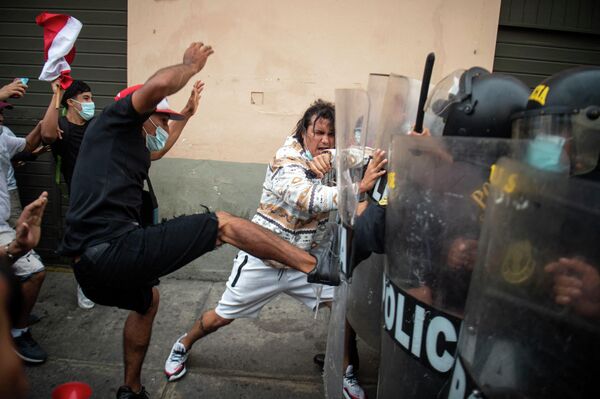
[{"x": 58, "y": 97}]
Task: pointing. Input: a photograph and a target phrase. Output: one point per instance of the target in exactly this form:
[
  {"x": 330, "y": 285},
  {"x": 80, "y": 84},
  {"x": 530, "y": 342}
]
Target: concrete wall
[{"x": 289, "y": 53}]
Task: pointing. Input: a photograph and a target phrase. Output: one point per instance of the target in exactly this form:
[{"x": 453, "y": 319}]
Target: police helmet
[
  {"x": 475, "y": 103},
  {"x": 563, "y": 120}
]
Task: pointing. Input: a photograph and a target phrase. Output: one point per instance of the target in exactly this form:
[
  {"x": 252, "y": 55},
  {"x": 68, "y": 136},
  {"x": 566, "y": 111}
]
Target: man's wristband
[{"x": 11, "y": 257}]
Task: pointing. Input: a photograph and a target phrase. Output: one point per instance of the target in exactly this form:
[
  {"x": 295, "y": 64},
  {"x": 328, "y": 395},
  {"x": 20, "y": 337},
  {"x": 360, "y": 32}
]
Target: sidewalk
[{"x": 270, "y": 357}]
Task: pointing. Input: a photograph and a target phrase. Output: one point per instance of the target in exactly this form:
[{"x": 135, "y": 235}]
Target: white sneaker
[
  {"x": 352, "y": 390},
  {"x": 83, "y": 301},
  {"x": 175, "y": 364}
]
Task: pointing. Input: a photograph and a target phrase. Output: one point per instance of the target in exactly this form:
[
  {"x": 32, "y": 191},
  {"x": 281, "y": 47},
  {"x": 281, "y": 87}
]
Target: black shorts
[{"x": 123, "y": 271}]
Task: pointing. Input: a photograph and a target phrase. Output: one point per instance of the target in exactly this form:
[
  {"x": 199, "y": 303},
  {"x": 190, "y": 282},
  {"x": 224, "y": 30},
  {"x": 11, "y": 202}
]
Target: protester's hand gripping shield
[
  {"x": 438, "y": 190},
  {"x": 532, "y": 319}
]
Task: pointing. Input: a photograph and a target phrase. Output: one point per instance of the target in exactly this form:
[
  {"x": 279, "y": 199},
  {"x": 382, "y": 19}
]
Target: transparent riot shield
[
  {"x": 364, "y": 288},
  {"x": 532, "y": 324},
  {"x": 393, "y": 100},
  {"x": 333, "y": 371},
  {"x": 376, "y": 89},
  {"x": 398, "y": 111},
  {"x": 437, "y": 194},
  {"x": 352, "y": 114}
]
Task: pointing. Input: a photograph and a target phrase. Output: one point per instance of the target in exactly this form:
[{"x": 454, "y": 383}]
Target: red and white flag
[{"x": 60, "y": 33}]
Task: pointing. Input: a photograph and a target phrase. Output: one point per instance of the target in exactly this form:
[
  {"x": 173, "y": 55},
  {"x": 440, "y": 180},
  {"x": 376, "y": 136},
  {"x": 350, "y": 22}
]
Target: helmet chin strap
[{"x": 466, "y": 88}]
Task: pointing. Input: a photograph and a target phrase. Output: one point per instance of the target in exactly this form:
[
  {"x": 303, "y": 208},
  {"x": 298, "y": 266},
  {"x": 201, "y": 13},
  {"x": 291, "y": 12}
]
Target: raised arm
[
  {"x": 28, "y": 231},
  {"x": 171, "y": 79},
  {"x": 49, "y": 127},
  {"x": 176, "y": 127},
  {"x": 33, "y": 139},
  {"x": 14, "y": 89}
]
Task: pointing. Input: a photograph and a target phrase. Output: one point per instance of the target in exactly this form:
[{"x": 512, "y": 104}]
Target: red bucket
[{"x": 72, "y": 390}]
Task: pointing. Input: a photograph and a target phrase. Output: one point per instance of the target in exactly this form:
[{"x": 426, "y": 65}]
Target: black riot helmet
[
  {"x": 563, "y": 120},
  {"x": 475, "y": 103}
]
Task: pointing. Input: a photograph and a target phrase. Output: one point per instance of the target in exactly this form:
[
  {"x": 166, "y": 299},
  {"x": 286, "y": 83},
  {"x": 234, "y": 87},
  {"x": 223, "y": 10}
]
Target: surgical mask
[
  {"x": 87, "y": 110},
  {"x": 157, "y": 142},
  {"x": 545, "y": 152}
]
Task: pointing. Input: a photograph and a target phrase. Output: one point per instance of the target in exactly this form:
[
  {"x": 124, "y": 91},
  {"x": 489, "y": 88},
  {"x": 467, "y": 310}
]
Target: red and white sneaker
[
  {"x": 352, "y": 390},
  {"x": 175, "y": 364}
]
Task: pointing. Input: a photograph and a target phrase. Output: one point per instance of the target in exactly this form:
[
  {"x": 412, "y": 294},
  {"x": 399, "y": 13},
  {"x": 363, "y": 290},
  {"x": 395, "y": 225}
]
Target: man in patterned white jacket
[{"x": 295, "y": 204}]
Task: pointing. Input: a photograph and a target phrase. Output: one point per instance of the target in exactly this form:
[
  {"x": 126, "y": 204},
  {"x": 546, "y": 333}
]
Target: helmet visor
[
  {"x": 559, "y": 142},
  {"x": 439, "y": 103}
]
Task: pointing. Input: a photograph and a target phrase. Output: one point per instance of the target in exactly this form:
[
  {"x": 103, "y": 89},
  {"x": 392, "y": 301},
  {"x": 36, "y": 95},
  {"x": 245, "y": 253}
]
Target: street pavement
[{"x": 269, "y": 357}]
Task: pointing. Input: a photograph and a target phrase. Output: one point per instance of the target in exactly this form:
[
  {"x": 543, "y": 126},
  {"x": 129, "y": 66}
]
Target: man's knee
[
  {"x": 222, "y": 322},
  {"x": 224, "y": 218},
  {"x": 226, "y": 226},
  {"x": 210, "y": 321}
]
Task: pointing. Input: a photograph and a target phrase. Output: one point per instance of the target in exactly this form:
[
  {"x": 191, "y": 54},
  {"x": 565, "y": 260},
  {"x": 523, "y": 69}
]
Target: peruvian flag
[{"x": 60, "y": 33}]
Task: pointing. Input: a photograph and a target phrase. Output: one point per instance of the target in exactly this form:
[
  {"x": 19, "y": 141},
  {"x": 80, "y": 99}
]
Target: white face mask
[{"x": 156, "y": 143}]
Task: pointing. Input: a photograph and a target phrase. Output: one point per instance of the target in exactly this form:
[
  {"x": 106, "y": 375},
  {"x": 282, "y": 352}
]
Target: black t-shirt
[
  {"x": 68, "y": 148},
  {"x": 107, "y": 185}
]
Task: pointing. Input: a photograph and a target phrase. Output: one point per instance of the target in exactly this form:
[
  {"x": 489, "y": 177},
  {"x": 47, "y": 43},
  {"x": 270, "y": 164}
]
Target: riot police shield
[
  {"x": 394, "y": 101},
  {"x": 352, "y": 113},
  {"x": 359, "y": 115},
  {"x": 333, "y": 369},
  {"x": 437, "y": 196},
  {"x": 376, "y": 89},
  {"x": 398, "y": 110},
  {"x": 532, "y": 320},
  {"x": 365, "y": 286}
]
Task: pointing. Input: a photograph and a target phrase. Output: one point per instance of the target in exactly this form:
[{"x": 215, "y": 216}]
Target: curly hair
[{"x": 321, "y": 109}]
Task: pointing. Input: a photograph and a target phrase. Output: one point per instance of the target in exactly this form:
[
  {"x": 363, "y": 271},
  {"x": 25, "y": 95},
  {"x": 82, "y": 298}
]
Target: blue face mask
[
  {"x": 87, "y": 110},
  {"x": 309, "y": 155},
  {"x": 545, "y": 153},
  {"x": 157, "y": 142}
]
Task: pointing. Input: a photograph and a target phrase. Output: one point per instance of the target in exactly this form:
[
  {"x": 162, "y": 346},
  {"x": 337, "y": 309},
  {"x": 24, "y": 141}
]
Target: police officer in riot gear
[
  {"x": 532, "y": 323},
  {"x": 436, "y": 200},
  {"x": 568, "y": 104},
  {"x": 472, "y": 103},
  {"x": 563, "y": 121},
  {"x": 562, "y": 116}
]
